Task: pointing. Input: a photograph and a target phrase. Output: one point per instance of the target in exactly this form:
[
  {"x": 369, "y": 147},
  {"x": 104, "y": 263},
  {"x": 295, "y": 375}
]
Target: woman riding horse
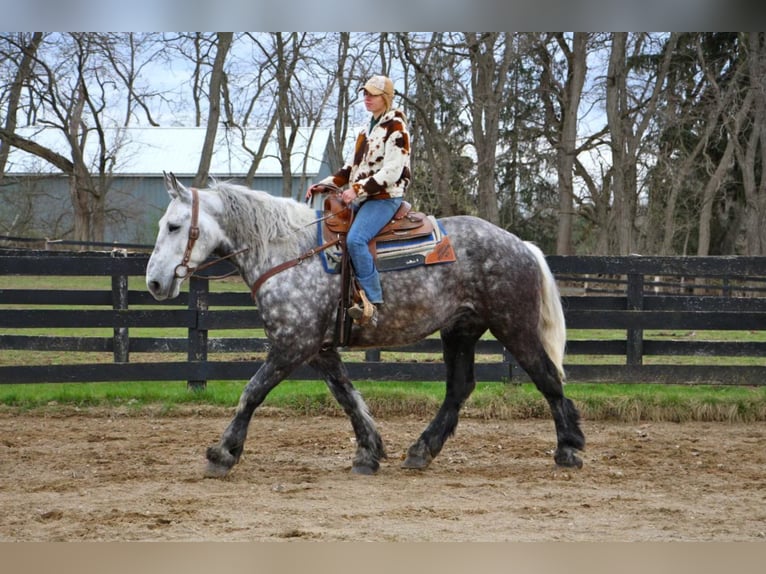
[{"x": 379, "y": 173}]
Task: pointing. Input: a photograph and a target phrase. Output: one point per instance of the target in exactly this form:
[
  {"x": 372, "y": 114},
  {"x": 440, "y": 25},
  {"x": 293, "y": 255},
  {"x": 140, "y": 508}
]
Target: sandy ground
[{"x": 110, "y": 476}]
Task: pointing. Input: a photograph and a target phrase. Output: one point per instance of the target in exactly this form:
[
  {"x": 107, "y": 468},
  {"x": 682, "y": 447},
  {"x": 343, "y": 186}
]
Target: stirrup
[{"x": 364, "y": 312}]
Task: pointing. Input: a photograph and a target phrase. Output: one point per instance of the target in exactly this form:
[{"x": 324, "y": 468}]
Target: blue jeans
[{"x": 371, "y": 216}]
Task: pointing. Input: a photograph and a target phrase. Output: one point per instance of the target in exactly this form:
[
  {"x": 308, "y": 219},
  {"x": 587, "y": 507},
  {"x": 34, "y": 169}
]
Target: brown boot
[{"x": 364, "y": 313}]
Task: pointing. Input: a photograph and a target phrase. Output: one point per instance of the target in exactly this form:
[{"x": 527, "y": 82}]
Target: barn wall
[{"x": 39, "y": 206}]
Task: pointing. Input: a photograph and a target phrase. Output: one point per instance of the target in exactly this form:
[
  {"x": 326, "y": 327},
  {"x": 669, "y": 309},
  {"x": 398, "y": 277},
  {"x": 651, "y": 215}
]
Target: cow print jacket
[{"x": 380, "y": 164}]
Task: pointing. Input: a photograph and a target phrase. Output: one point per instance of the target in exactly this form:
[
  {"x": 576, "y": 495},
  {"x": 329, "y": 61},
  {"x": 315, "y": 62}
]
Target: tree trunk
[
  {"x": 627, "y": 128},
  {"x": 214, "y": 112},
  {"x": 567, "y": 145},
  {"x": 431, "y": 124},
  {"x": 79, "y": 178},
  {"x": 14, "y": 96},
  {"x": 488, "y": 80},
  {"x": 753, "y": 175},
  {"x": 708, "y": 194},
  {"x": 734, "y": 128},
  {"x": 678, "y": 178},
  {"x": 340, "y": 123},
  {"x": 615, "y": 92}
]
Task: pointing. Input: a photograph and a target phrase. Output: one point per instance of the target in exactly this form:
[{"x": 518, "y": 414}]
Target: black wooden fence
[{"x": 628, "y": 294}]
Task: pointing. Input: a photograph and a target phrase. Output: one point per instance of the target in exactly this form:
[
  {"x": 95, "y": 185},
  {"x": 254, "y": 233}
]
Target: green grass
[
  {"x": 667, "y": 335},
  {"x": 490, "y": 400},
  {"x": 678, "y": 403}
]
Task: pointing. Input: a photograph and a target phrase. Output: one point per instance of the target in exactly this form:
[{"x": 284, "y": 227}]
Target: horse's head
[{"x": 187, "y": 236}]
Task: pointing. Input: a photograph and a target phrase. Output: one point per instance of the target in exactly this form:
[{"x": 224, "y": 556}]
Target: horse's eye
[{"x": 172, "y": 228}]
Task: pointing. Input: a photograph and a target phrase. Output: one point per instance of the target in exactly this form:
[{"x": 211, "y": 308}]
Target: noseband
[{"x": 182, "y": 270}]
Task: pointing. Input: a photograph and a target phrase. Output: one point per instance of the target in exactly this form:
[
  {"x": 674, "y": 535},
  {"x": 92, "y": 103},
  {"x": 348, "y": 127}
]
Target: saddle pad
[{"x": 397, "y": 254}]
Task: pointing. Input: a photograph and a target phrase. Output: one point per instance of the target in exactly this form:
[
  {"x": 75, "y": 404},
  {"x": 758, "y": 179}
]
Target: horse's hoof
[
  {"x": 363, "y": 470},
  {"x": 418, "y": 457},
  {"x": 416, "y": 462},
  {"x": 219, "y": 462},
  {"x": 213, "y": 470},
  {"x": 567, "y": 459}
]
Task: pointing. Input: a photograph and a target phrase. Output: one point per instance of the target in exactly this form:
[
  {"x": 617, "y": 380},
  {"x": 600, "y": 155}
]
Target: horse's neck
[{"x": 271, "y": 232}]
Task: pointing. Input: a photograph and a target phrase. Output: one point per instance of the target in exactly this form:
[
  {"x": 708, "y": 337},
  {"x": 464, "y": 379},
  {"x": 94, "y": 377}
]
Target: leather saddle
[{"x": 403, "y": 225}]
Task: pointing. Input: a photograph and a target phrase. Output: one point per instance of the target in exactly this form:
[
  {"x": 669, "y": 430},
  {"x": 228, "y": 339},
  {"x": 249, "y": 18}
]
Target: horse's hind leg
[
  {"x": 369, "y": 449},
  {"x": 534, "y": 360},
  {"x": 569, "y": 436},
  {"x": 458, "y": 347}
]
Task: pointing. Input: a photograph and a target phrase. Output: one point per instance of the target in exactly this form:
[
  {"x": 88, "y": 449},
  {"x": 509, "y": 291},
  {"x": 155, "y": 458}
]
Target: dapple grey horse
[{"x": 497, "y": 283}]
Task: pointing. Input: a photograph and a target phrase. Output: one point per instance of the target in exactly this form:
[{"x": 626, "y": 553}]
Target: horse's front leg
[{"x": 224, "y": 455}]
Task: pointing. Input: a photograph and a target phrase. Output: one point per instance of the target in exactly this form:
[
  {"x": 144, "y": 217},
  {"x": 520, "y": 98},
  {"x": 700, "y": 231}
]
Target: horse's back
[
  {"x": 482, "y": 245},
  {"x": 492, "y": 265}
]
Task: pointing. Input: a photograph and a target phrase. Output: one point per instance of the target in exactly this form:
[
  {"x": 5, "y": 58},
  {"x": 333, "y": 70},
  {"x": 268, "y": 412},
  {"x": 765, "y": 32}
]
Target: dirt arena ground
[{"x": 109, "y": 476}]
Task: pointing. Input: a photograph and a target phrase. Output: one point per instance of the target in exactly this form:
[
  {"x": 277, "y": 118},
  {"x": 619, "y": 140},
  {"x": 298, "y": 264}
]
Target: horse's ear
[{"x": 175, "y": 188}]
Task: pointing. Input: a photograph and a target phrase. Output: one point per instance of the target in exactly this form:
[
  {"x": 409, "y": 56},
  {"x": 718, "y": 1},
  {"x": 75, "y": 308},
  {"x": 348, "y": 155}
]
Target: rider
[{"x": 379, "y": 173}]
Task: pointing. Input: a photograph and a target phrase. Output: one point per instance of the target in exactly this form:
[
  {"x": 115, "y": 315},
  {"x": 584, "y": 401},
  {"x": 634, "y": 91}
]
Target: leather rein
[{"x": 288, "y": 264}]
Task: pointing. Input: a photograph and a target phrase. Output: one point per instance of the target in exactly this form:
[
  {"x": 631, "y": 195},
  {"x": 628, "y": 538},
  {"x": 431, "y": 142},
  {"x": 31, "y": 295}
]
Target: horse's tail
[{"x": 552, "y": 325}]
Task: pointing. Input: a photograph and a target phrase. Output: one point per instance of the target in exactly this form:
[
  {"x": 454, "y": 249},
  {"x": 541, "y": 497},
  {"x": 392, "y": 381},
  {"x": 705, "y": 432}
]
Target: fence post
[
  {"x": 726, "y": 289},
  {"x": 509, "y": 362},
  {"x": 121, "y": 337},
  {"x": 635, "y": 337},
  {"x": 197, "y": 351},
  {"x": 372, "y": 355}
]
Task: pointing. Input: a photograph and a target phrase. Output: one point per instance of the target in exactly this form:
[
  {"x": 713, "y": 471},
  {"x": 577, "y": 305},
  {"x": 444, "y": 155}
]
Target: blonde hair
[{"x": 389, "y": 99}]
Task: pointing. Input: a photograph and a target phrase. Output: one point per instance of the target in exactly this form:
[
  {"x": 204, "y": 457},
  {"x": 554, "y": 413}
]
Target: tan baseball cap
[{"x": 377, "y": 85}]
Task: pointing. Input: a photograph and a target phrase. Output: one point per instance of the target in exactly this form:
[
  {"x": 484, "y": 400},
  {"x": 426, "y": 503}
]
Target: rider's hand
[
  {"x": 311, "y": 191},
  {"x": 348, "y": 196}
]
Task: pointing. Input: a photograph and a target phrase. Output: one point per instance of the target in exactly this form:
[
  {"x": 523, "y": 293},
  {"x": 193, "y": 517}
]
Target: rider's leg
[{"x": 371, "y": 217}]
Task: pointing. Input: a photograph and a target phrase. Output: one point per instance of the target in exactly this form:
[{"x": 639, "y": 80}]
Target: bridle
[{"x": 182, "y": 270}]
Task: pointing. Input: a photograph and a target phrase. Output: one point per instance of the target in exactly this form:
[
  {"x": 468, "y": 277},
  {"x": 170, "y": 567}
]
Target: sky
[{"x": 392, "y": 15}]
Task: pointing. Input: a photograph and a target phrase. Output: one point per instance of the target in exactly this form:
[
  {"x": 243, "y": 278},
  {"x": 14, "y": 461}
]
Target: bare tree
[
  {"x": 128, "y": 55},
  {"x": 313, "y": 98},
  {"x": 195, "y": 48},
  {"x": 561, "y": 99},
  {"x": 435, "y": 99},
  {"x": 289, "y": 52},
  {"x": 751, "y": 154},
  {"x": 727, "y": 110},
  {"x": 678, "y": 160},
  {"x": 244, "y": 105},
  {"x": 223, "y": 44},
  {"x": 343, "y": 77},
  {"x": 72, "y": 83},
  {"x": 26, "y": 48},
  {"x": 490, "y": 55},
  {"x": 629, "y": 114}
]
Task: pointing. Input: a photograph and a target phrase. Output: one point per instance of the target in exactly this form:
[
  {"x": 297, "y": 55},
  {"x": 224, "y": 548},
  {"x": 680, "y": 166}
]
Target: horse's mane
[{"x": 272, "y": 226}]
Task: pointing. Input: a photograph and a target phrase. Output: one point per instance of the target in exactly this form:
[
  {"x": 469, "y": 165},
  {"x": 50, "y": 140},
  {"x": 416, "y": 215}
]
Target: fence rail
[{"x": 627, "y": 294}]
